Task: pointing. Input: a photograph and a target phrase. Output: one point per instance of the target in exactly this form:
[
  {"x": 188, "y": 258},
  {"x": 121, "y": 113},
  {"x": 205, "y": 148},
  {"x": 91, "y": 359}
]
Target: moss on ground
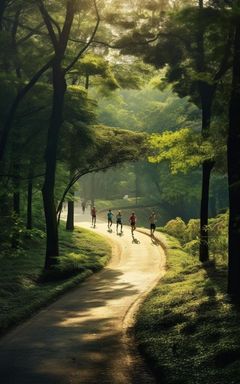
[
  {"x": 187, "y": 328},
  {"x": 24, "y": 288}
]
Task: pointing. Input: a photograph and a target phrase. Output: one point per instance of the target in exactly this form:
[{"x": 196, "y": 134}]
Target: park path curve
[{"x": 82, "y": 338}]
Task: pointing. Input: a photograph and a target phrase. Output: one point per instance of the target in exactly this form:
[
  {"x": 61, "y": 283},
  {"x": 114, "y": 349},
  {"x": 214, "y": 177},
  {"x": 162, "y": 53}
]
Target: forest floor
[
  {"x": 83, "y": 337},
  {"x": 187, "y": 328}
]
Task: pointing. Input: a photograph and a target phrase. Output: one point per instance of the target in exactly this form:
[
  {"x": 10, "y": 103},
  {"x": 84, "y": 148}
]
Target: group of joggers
[{"x": 119, "y": 222}]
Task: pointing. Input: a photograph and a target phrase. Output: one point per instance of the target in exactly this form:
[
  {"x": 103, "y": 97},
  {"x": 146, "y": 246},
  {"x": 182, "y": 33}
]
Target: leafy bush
[
  {"x": 14, "y": 235},
  {"x": 218, "y": 235},
  {"x": 176, "y": 227},
  {"x": 33, "y": 234},
  {"x": 188, "y": 234},
  {"x": 192, "y": 247},
  {"x": 192, "y": 230}
]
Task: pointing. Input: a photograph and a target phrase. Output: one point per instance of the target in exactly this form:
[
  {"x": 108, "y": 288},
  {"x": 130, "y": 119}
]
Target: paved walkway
[{"x": 82, "y": 338}]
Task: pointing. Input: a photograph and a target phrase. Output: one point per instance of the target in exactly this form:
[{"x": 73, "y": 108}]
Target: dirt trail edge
[{"x": 85, "y": 336}]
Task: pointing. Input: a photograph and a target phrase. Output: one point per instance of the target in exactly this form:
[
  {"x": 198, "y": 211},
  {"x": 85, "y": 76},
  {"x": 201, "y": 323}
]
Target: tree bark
[
  {"x": 70, "y": 210},
  {"x": 92, "y": 188},
  {"x": 233, "y": 151},
  {"x": 70, "y": 215},
  {"x": 59, "y": 89},
  {"x": 2, "y": 10},
  {"x": 206, "y": 173},
  {"x": 16, "y": 193},
  {"x": 29, "y": 204},
  {"x": 16, "y": 202},
  {"x": 207, "y": 93},
  {"x": 14, "y": 106}
]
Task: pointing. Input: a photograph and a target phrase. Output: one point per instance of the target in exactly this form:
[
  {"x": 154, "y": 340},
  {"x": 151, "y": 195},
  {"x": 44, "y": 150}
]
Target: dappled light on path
[{"x": 80, "y": 339}]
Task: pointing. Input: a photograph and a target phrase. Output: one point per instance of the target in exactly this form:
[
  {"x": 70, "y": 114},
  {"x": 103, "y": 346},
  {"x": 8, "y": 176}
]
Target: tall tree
[
  {"x": 234, "y": 168},
  {"x": 59, "y": 38},
  {"x": 195, "y": 66}
]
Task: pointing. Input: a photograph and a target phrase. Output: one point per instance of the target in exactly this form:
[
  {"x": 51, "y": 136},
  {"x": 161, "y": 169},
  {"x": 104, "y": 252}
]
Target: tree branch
[
  {"x": 56, "y": 25},
  {"x": 15, "y": 26},
  {"x": 11, "y": 114},
  {"x": 67, "y": 69},
  {"x": 64, "y": 36},
  {"x": 78, "y": 175},
  {"x": 225, "y": 64},
  {"x": 48, "y": 22},
  {"x": 30, "y": 34}
]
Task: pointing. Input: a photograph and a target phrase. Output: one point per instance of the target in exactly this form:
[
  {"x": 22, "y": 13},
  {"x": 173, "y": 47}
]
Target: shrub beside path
[{"x": 84, "y": 338}]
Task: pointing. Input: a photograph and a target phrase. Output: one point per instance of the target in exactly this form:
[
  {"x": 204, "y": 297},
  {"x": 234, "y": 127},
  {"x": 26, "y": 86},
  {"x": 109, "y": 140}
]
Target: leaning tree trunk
[
  {"x": 70, "y": 214},
  {"x": 59, "y": 89},
  {"x": 233, "y": 151},
  {"x": 70, "y": 209}
]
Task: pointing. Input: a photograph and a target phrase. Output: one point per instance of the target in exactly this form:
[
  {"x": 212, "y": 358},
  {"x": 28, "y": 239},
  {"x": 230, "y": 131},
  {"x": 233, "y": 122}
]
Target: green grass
[
  {"x": 187, "y": 328},
  {"x": 24, "y": 288}
]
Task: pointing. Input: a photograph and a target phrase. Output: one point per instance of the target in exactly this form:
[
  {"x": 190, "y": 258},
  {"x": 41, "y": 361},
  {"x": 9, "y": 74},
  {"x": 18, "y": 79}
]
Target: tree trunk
[
  {"x": 92, "y": 188},
  {"x": 2, "y": 9},
  {"x": 7, "y": 126},
  {"x": 16, "y": 202},
  {"x": 16, "y": 209},
  {"x": 233, "y": 151},
  {"x": 207, "y": 93},
  {"x": 70, "y": 215},
  {"x": 16, "y": 193},
  {"x": 70, "y": 211},
  {"x": 59, "y": 89},
  {"x": 29, "y": 204},
  {"x": 206, "y": 172},
  {"x": 137, "y": 188}
]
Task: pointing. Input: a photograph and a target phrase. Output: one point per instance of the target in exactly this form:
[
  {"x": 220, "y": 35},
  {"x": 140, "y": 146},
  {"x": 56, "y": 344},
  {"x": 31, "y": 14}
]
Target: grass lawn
[
  {"x": 24, "y": 288},
  {"x": 187, "y": 328}
]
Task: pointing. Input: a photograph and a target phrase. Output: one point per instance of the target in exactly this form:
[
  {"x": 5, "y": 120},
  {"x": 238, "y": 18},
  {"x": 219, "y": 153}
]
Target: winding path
[{"x": 83, "y": 337}]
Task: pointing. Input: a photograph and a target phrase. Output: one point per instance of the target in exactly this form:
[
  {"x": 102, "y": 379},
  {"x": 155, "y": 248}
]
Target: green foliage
[
  {"x": 184, "y": 149},
  {"x": 187, "y": 328},
  {"x": 148, "y": 109},
  {"x": 14, "y": 236},
  {"x": 176, "y": 228},
  {"x": 192, "y": 246},
  {"x": 192, "y": 230},
  {"x": 188, "y": 234},
  {"x": 218, "y": 232}
]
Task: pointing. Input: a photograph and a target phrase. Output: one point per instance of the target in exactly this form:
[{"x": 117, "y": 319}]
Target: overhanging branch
[{"x": 69, "y": 67}]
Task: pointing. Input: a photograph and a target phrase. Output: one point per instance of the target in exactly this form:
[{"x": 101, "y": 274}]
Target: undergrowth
[{"x": 187, "y": 328}]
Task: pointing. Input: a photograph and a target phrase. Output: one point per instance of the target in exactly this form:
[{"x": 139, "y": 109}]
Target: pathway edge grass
[
  {"x": 23, "y": 292},
  {"x": 187, "y": 328}
]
